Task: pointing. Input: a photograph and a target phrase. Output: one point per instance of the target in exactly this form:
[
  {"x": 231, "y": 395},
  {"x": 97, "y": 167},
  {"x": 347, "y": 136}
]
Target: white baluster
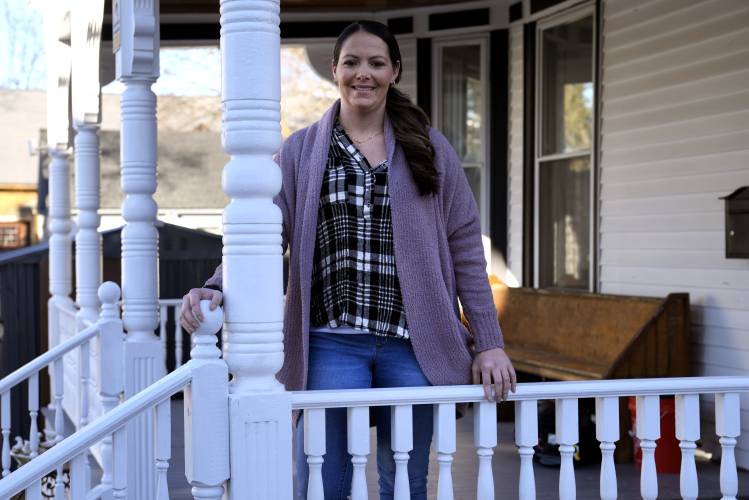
[
  {"x": 163, "y": 448},
  {"x": 177, "y": 339},
  {"x": 526, "y": 437},
  {"x": 79, "y": 486},
  {"x": 567, "y": 437},
  {"x": 485, "y": 439},
  {"x": 84, "y": 370},
  {"x": 648, "y": 431},
  {"x": 33, "y": 415},
  {"x": 137, "y": 67},
  {"x": 59, "y": 421},
  {"x": 728, "y": 427},
  {"x": 252, "y": 253},
  {"x": 358, "y": 448},
  {"x": 111, "y": 369},
  {"x": 119, "y": 463},
  {"x": 314, "y": 449},
  {"x": 445, "y": 445},
  {"x": 401, "y": 442},
  {"x": 207, "y": 412},
  {"x": 687, "y": 432},
  {"x": 34, "y": 492},
  {"x": 5, "y": 426},
  {"x": 163, "y": 310},
  {"x": 607, "y": 433},
  {"x": 208, "y": 492}
]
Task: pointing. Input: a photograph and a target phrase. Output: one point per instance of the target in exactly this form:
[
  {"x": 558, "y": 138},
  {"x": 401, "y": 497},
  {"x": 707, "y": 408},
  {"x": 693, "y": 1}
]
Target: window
[
  {"x": 460, "y": 110},
  {"x": 565, "y": 94}
]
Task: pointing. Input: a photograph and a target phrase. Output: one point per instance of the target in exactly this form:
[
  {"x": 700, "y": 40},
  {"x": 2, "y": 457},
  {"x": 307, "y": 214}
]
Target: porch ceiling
[{"x": 211, "y": 6}]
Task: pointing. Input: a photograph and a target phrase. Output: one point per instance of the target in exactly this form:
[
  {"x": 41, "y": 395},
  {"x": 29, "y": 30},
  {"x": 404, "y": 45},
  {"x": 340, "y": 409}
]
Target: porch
[{"x": 109, "y": 375}]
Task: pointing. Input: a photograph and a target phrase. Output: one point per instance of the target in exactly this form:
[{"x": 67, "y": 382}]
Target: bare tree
[{"x": 22, "y": 64}]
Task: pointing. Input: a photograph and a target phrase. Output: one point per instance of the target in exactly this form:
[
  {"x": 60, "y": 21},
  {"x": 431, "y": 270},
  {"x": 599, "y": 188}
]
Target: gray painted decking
[{"x": 506, "y": 468}]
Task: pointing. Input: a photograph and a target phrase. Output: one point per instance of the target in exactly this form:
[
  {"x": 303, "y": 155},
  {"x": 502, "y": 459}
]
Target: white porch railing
[
  {"x": 108, "y": 331},
  {"x": 205, "y": 381},
  {"x": 207, "y": 432},
  {"x": 566, "y": 396},
  {"x": 64, "y": 323}
]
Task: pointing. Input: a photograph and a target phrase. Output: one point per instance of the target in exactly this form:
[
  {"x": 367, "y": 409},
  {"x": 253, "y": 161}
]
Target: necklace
[{"x": 364, "y": 141}]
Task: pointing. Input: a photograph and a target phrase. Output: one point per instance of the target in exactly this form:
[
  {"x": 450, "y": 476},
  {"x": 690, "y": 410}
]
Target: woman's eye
[{"x": 348, "y": 63}]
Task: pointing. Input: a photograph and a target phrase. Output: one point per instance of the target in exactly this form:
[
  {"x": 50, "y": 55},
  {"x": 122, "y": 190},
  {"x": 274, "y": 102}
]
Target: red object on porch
[{"x": 667, "y": 451}]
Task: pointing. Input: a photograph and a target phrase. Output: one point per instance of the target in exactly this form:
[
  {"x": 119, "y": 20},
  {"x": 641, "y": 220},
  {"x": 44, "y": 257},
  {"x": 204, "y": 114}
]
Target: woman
[{"x": 384, "y": 236}]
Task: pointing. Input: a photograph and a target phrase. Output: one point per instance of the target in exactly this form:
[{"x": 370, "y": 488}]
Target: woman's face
[{"x": 364, "y": 72}]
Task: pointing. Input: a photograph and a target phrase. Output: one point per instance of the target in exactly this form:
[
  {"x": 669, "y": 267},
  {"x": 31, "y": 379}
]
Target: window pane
[
  {"x": 460, "y": 100},
  {"x": 474, "y": 180},
  {"x": 564, "y": 223},
  {"x": 567, "y": 87}
]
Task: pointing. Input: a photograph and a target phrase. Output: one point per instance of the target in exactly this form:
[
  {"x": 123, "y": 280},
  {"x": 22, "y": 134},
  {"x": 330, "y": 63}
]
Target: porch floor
[{"x": 506, "y": 467}]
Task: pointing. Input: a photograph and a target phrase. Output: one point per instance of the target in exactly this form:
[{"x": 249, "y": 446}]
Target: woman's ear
[
  {"x": 397, "y": 72},
  {"x": 332, "y": 71}
]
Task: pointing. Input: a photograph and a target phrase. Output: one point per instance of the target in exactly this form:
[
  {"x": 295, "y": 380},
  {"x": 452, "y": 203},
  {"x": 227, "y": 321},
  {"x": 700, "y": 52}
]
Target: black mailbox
[{"x": 737, "y": 224}]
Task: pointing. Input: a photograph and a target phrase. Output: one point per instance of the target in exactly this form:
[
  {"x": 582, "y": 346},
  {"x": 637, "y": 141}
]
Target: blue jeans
[{"x": 357, "y": 361}]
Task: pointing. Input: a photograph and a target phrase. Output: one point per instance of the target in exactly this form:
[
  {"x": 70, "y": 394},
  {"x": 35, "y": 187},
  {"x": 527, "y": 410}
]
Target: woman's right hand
[{"x": 191, "y": 315}]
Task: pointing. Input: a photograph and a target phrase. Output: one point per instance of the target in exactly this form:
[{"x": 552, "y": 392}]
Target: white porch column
[
  {"x": 259, "y": 408},
  {"x": 58, "y": 81},
  {"x": 86, "y": 19},
  {"x": 85, "y": 39},
  {"x": 136, "y": 46}
]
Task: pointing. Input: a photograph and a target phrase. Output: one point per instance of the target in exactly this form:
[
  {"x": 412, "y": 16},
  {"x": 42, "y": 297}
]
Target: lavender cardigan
[{"x": 438, "y": 254}]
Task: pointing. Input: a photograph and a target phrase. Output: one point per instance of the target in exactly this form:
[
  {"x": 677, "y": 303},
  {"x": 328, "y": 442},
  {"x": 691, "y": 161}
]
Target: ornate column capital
[
  {"x": 137, "y": 51},
  {"x": 85, "y": 37},
  {"x": 57, "y": 26}
]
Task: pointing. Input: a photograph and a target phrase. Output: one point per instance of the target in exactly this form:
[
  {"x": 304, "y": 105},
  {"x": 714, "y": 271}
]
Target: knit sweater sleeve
[
  {"x": 287, "y": 159},
  {"x": 463, "y": 227}
]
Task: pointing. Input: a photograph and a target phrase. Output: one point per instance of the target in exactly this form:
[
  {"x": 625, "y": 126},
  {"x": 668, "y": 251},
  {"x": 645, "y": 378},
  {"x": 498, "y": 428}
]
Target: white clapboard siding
[
  {"x": 674, "y": 139},
  {"x": 515, "y": 160}
]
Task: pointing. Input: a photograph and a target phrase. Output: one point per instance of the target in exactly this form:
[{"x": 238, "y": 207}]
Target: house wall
[{"x": 674, "y": 139}]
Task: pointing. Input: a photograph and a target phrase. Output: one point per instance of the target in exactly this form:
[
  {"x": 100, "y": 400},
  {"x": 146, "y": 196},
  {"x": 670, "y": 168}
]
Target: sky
[{"x": 23, "y": 61}]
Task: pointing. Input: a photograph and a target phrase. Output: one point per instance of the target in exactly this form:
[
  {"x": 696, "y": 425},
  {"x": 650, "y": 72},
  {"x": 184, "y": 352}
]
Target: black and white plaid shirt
[{"x": 354, "y": 279}]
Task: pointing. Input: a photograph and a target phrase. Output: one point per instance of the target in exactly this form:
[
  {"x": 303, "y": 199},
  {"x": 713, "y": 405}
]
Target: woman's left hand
[{"x": 493, "y": 366}]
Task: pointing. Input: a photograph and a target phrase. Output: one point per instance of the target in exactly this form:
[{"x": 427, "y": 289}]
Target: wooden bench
[{"x": 584, "y": 336}]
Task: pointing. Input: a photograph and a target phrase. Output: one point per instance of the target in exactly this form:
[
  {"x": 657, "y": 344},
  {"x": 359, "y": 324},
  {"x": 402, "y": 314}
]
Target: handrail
[
  {"x": 170, "y": 302},
  {"x": 526, "y": 391},
  {"x": 36, "y": 364},
  {"x": 84, "y": 438}
]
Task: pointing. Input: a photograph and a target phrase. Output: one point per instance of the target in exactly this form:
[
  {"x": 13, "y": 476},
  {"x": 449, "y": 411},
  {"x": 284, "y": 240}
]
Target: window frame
[
  {"x": 482, "y": 40},
  {"x": 565, "y": 17}
]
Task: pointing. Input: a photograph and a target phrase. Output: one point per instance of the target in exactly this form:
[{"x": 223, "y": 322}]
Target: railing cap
[{"x": 109, "y": 293}]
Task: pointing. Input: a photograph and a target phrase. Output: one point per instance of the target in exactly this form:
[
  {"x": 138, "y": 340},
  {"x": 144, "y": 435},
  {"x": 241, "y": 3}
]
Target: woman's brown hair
[{"x": 410, "y": 123}]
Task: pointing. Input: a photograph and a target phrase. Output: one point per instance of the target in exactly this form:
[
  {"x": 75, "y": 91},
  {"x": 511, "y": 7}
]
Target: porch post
[
  {"x": 136, "y": 46},
  {"x": 85, "y": 39},
  {"x": 58, "y": 81},
  {"x": 259, "y": 407},
  {"x": 85, "y": 34}
]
